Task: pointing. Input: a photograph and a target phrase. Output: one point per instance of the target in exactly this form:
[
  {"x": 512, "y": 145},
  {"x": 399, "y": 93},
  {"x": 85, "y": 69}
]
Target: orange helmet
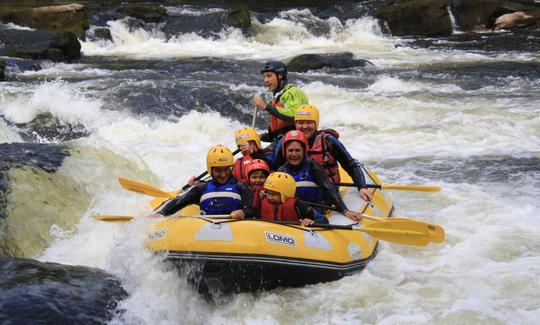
[
  {"x": 294, "y": 135},
  {"x": 257, "y": 164}
]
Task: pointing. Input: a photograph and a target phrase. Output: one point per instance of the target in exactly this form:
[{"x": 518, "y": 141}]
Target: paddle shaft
[
  {"x": 124, "y": 218},
  {"x": 418, "y": 188},
  {"x": 254, "y": 118},
  {"x": 204, "y": 173},
  {"x": 324, "y": 206}
]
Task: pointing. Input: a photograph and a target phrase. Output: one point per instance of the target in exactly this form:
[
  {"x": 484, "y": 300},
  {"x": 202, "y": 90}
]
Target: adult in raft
[
  {"x": 325, "y": 148},
  {"x": 223, "y": 194},
  {"x": 286, "y": 100},
  {"x": 312, "y": 183}
]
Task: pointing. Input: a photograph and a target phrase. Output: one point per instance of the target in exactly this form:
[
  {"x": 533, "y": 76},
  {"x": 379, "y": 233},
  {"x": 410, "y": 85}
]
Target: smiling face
[
  {"x": 294, "y": 153},
  {"x": 257, "y": 178},
  {"x": 271, "y": 80},
  {"x": 247, "y": 148},
  {"x": 273, "y": 197},
  {"x": 309, "y": 128},
  {"x": 221, "y": 175}
]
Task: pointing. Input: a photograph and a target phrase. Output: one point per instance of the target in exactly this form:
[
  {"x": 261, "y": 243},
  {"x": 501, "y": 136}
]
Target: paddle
[
  {"x": 198, "y": 178},
  {"x": 122, "y": 218},
  {"x": 134, "y": 186},
  {"x": 112, "y": 218},
  {"x": 418, "y": 188},
  {"x": 142, "y": 188},
  {"x": 395, "y": 231},
  {"x": 436, "y": 232}
]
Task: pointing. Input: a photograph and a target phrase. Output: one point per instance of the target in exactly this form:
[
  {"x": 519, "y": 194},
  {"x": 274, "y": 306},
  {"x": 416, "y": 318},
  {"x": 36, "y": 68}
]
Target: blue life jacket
[
  {"x": 220, "y": 199},
  {"x": 306, "y": 188}
]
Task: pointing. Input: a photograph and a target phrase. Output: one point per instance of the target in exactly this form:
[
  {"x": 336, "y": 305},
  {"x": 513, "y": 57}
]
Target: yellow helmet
[
  {"x": 282, "y": 183},
  {"x": 307, "y": 112},
  {"x": 247, "y": 134},
  {"x": 218, "y": 156}
]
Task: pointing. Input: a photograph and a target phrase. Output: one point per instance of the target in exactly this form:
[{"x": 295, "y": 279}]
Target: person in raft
[
  {"x": 249, "y": 143},
  {"x": 257, "y": 172},
  {"x": 312, "y": 183},
  {"x": 281, "y": 205},
  {"x": 223, "y": 194},
  {"x": 286, "y": 100},
  {"x": 326, "y": 149}
]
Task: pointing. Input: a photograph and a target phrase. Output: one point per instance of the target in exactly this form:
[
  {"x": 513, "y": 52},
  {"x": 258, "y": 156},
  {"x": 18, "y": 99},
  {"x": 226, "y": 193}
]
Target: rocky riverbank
[
  {"x": 443, "y": 17},
  {"x": 52, "y": 32}
]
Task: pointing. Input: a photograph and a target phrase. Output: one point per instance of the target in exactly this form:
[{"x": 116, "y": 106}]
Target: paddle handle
[{"x": 198, "y": 178}]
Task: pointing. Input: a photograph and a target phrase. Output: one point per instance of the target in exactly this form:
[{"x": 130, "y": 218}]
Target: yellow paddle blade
[
  {"x": 399, "y": 232},
  {"x": 112, "y": 218},
  {"x": 418, "y": 188},
  {"x": 436, "y": 232},
  {"x": 134, "y": 186}
]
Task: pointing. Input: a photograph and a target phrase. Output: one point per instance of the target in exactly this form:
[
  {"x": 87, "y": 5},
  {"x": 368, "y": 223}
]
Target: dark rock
[
  {"x": 38, "y": 44},
  {"x": 474, "y": 15},
  {"x": 99, "y": 33},
  {"x": 134, "y": 23},
  {"x": 2, "y": 70},
  {"x": 71, "y": 18},
  {"x": 307, "y": 62},
  {"x": 147, "y": 12},
  {"x": 416, "y": 17},
  {"x": 46, "y": 126},
  {"x": 239, "y": 17},
  {"x": 33, "y": 292}
]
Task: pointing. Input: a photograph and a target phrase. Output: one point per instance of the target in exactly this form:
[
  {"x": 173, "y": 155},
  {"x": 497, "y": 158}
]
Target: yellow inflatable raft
[{"x": 226, "y": 255}]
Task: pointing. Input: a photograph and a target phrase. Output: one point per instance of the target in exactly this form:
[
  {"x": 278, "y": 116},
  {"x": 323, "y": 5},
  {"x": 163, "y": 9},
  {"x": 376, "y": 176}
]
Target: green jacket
[{"x": 282, "y": 110}]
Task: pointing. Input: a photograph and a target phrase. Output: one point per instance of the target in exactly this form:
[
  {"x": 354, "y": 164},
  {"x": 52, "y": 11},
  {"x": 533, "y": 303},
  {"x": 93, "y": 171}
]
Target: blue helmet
[{"x": 276, "y": 67}]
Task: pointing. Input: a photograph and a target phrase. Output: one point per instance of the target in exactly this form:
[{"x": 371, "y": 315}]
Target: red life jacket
[
  {"x": 240, "y": 168},
  {"x": 283, "y": 212},
  {"x": 255, "y": 190},
  {"x": 320, "y": 153}
]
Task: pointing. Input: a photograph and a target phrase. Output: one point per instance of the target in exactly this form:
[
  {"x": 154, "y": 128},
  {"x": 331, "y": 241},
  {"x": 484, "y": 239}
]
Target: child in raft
[
  {"x": 249, "y": 142},
  {"x": 257, "y": 172},
  {"x": 281, "y": 205}
]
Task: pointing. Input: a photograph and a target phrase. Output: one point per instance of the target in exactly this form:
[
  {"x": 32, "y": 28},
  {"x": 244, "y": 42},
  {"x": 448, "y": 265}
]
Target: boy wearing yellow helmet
[
  {"x": 223, "y": 194},
  {"x": 280, "y": 203},
  {"x": 286, "y": 100},
  {"x": 249, "y": 143}
]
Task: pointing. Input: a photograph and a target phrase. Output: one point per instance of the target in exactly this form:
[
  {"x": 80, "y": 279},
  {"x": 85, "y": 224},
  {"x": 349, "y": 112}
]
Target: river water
[{"x": 461, "y": 112}]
